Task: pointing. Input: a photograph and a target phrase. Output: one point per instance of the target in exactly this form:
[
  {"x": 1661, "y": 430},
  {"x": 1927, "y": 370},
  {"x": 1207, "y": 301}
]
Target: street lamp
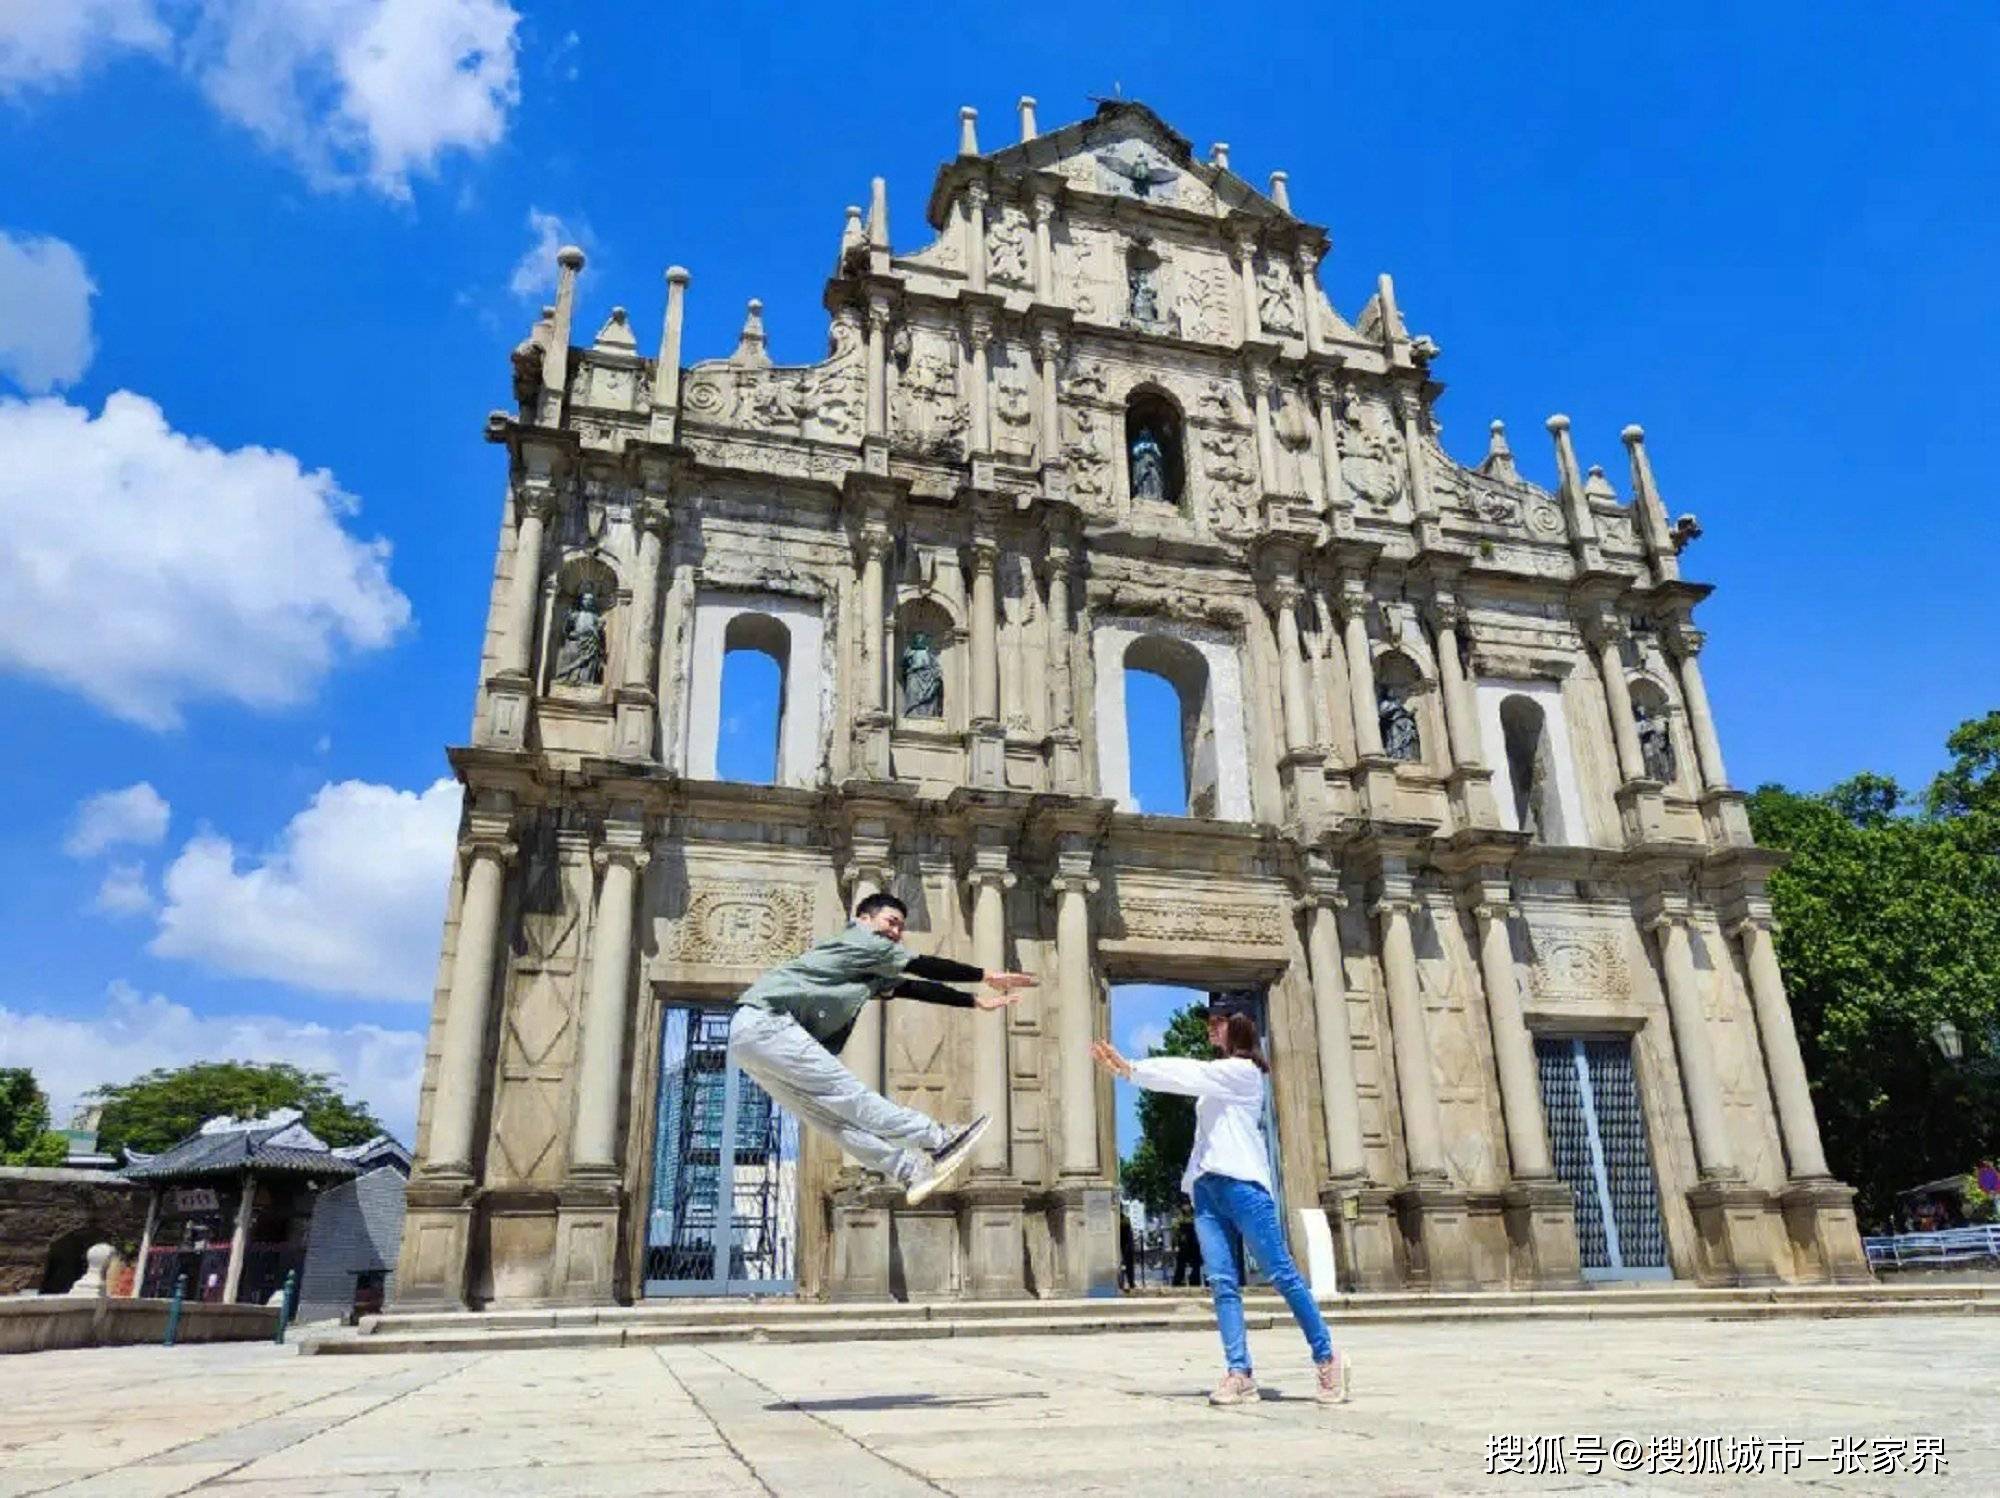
[{"x": 1950, "y": 1044}]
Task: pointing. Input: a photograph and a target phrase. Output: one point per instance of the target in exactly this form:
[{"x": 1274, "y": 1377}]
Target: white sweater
[{"x": 1228, "y": 1112}]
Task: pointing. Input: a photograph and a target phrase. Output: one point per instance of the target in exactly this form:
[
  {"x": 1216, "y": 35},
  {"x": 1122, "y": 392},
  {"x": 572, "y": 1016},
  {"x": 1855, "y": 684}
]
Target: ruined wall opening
[
  {"x": 1168, "y": 706},
  {"x": 1531, "y": 769},
  {"x": 750, "y": 728}
]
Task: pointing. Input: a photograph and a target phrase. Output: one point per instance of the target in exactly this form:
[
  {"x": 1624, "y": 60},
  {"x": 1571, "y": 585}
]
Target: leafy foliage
[
  {"x": 25, "y": 1135},
  {"x": 1152, "y": 1173},
  {"x": 153, "y": 1112},
  {"x": 1889, "y": 924}
]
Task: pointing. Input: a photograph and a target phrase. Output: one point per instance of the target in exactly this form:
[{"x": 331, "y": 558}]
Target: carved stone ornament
[
  {"x": 1207, "y": 923},
  {"x": 1276, "y": 312},
  {"x": 1007, "y": 249},
  {"x": 1579, "y": 965},
  {"x": 742, "y": 924}
]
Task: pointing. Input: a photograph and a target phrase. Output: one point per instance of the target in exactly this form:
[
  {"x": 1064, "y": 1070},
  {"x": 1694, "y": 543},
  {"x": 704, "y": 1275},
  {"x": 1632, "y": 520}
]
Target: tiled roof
[{"x": 274, "y": 1149}]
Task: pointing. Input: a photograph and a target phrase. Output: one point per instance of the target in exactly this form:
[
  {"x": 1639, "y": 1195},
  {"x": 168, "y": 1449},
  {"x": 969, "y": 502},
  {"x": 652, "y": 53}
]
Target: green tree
[
  {"x": 163, "y": 1107},
  {"x": 1151, "y": 1174},
  {"x": 25, "y": 1135},
  {"x": 1888, "y": 925}
]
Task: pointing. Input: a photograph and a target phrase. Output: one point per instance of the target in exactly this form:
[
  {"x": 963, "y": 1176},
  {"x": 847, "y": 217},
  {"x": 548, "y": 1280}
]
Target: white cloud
[
  {"x": 535, "y": 272},
  {"x": 124, "y": 890},
  {"x": 350, "y": 900},
  {"x": 45, "y": 294},
  {"x": 49, "y": 42},
  {"x": 369, "y": 91},
  {"x": 137, "y": 814},
  {"x": 144, "y": 568},
  {"x": 136, "y": 1032}
]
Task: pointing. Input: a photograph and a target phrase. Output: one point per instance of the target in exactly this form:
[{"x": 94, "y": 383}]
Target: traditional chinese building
[{"x": 1455, "y": 802}]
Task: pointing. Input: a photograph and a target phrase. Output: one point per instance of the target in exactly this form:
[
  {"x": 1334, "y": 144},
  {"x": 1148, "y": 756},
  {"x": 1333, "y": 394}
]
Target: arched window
[
  {"x": 1155, "y": 465},
  {"x": 1398, "y": 684},
  {"x": 1652, "y": 714},
  {"x": 751, "y": 724},
  {"x": 1167, "y": 707},
  {"x": 1531, "y": 769}
]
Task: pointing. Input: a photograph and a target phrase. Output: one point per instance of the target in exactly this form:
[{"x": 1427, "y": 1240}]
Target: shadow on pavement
[{"x": 897, "y": 1402}]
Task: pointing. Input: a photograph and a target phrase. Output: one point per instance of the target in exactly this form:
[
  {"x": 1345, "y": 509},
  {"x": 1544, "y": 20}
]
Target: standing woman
[{"x": 1229, "y": 1178}]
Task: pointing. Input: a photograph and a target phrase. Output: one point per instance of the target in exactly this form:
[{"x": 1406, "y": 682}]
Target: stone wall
[{"x": 65, "y": 1211}]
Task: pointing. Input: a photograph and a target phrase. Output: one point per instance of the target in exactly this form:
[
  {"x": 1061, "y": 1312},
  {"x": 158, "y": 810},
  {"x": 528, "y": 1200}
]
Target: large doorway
[
  {"x": 1597, "y": 1133},
  {"x": 1155, "y": 1131},
  {"x": 724, "y": 1211}
]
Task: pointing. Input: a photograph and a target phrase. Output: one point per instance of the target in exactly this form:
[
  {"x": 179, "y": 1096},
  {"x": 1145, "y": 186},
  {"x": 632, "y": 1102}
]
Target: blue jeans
[{"x": 1222, "y": 1203}]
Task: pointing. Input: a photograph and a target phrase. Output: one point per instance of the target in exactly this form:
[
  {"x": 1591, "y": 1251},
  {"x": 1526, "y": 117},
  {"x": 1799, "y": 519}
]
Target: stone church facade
[{"x": 1456, "y": 806}]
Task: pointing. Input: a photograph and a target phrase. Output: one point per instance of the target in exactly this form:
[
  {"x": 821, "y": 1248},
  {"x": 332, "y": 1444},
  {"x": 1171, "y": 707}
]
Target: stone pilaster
[
  {"x": 510, "y": 689},
  {"x": 636, "y": 699},
  {"x": 1374, "y": 771},
  {"x": 1471, "y": 778}
]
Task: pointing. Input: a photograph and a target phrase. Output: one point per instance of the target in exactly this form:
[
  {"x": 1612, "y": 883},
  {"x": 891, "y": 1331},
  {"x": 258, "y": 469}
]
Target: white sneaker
[{"x": 946, "y": 1161}]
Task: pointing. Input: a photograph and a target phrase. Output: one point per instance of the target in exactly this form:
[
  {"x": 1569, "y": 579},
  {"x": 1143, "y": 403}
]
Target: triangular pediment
[{"x": 1124, "y": 150}]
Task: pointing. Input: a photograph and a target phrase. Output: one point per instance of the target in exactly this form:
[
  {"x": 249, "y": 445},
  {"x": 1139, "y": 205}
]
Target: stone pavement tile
[
  {"x": 790, "y": 1451},
  {"x": 142, "y": 1481},
  {"x": 723, "y": 1475}
]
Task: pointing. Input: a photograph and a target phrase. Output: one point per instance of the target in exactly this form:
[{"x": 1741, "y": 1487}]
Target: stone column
[
  {"x": 1513, "y": 1045},
  {"x": 1284, "y": 598},
  {"x": 1603, "y": 636},
  {"x": 1360, "y": 668},
  {"x": 863, "y": 1053},
  {"x": 875, "y": 547},
  {"x": 988, "y": 741},
  {"x": 600, "y": 1074},
  {"x": 1076, "y": 1020},
  {"x": 991, "y": 880},
  {"x": 1423, "y": 503},
  {"x": 1261, "y": 381},
  {"x": 878, "y": 366},
  {"x": 524, "y": 588},
  {"x": 1307, "y": 265},
  {"x": 1670, "y": 922},
  {"x": 1326, "y": 403},
  {"x": 1471, "y": 779},
  {"x": 636, "y": 702},
  {"x": 1423, "y": 1134},
  {"x": 1049, "y": 345},
  {"x": 1044, "y": 208},
  {"x": 1340, "y": 1101},
  {"x": 239, "y": 1241},
  {"x": 979, "y": 335},
  {"x": 1066, "y": 745},
  {"x": 670, "y": 689},
  {"x": 1246, "y": 283},
  {"x": 1687, "y": 642},
  {"x": 975, "y": 218},
  {"x": 461, "y": 1063},
  {"x": 1796, "y": 1120},
  {"x": 146, "y": 1241},
  {"x": 664, "y": 418}
]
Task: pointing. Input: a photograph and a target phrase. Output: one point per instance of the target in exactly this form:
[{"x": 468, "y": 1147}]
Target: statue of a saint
[
  {"x": 1400, "y": 739},
  {"x": 1656, "y": 744},
  {"x": 580, "y": 662},
  {"x": 1149, "y": 467},
  {"x": 1274, "y": 302},
  {"x": 923, "y": 679},
  {"x": 1142, "y": 280}
]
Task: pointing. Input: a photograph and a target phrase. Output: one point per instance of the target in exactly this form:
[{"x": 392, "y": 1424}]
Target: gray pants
[{"x": 808, "y": 1080}]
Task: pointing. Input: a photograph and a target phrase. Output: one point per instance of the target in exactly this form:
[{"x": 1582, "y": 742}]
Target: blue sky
[{"x": 300, "y": 239}]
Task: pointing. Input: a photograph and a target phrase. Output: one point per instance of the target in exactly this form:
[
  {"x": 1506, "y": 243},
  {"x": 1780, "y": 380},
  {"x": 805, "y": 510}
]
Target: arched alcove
[
  {"x": 1155, "y": 455},
  {"x": 578, "y": 626},
  {"x": 1185, "y": 706},
  {"x": 1531, "y": 778},
  {"x": 1398, "y": 707},
  {"x": 1653, "y": 716},
  {"x": 928, "y": 680}
]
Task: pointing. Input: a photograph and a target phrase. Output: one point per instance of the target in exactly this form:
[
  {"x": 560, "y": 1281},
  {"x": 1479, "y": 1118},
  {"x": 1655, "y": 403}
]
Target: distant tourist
[
  {"x": 1229, "y": 1178},
  {"x": 790, "y": 1025}
]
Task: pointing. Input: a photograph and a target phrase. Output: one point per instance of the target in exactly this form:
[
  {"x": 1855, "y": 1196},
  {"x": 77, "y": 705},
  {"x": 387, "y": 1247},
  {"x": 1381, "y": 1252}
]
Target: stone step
[
  {"x": 740, "y": 1312},
  {"x": 481, "y": 1334}
]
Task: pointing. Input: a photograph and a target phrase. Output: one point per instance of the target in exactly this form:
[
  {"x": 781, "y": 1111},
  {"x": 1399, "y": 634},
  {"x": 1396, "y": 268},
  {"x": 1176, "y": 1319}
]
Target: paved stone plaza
[{"x": 1056, "y": 1414}]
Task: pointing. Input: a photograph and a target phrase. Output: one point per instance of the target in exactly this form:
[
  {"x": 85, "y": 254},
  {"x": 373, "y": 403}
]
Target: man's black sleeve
[
  {"x": 931, "y": 993},
  {"x": 945, "y": 969}
]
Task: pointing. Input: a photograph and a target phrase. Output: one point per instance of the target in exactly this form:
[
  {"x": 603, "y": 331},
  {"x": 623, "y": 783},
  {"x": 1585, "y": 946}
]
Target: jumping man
[{"x": 791, "y": 1023}]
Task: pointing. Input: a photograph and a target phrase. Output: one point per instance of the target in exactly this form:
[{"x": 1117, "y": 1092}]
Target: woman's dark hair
[
  {"x": 880, "y": 901},
  {"x": 1239, "y": 1041}
]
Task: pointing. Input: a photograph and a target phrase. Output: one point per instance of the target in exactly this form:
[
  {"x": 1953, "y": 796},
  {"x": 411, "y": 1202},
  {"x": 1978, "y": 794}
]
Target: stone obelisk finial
[
  {"x": 1281, "y": 192},
  {"x": 1027, "y": 107},
  {"x": 878, "y": 214},
  {"x": 968, "y": 131}
]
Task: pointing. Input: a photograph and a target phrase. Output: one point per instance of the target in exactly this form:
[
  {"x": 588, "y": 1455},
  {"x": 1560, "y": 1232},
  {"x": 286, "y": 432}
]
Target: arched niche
[
  {"x": 1531, "y": 777},
  {"x": 924, "y": 626},
  {"x": 1155, "y": 448},
  {"x": 1524, "y": 735},
  {"x": 788, "y": 631},
  {"x": 585, "y": 581},
  {"x": 1403, "y": 708},
  {"x": 1661, "y": 731},
  {"x": 750, "y": 725},
  {"x": 1202, "y": 666}
]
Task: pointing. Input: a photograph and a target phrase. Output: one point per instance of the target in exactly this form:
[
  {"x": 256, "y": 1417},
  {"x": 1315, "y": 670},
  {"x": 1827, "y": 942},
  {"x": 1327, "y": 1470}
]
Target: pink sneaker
[
  {"x": 1235, "y": 1388},
  {"x": 1335, "y": 1375}
]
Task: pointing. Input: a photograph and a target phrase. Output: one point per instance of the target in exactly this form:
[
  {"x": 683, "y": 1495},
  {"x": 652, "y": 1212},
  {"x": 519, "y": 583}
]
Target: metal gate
[
  {"x": 724, "y": 1217},
  {"x": 1597, "y": 1134}
]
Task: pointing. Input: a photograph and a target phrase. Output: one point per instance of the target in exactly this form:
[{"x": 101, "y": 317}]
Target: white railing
[{"x": 1952, "y": 1246}]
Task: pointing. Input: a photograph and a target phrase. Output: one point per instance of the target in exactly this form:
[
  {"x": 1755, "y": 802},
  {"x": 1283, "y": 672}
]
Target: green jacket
[{"x": 824, "y": 987}]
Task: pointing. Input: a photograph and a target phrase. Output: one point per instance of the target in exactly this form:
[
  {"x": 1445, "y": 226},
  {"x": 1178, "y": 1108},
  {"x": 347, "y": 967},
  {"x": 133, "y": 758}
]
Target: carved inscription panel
[
  {"x": 1181, "y": 920},
  {"x": 743, "y": 924}
]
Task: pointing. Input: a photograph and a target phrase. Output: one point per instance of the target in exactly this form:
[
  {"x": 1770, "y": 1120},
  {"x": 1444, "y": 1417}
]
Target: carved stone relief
[
  {"x": 1577, "y": 965},
  {"x": 1008, "y": 242},
  {"x": 1208, "y": 923},
  {"x": 1371, "y": 458},
  {"x": 1277, "y": 308},
  {"x": 742, "y": 924}
]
